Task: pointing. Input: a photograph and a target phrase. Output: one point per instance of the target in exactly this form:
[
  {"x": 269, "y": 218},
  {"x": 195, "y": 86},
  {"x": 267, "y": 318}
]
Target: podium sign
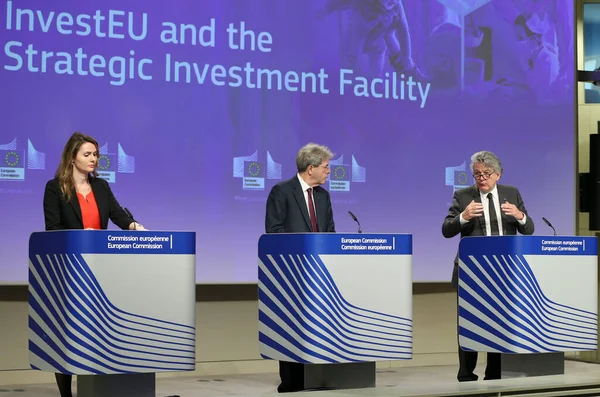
[
  {"x": 112, "y": 302},
  {"x": 528, "y": 294},
  {"x": 335, "y": 298}
]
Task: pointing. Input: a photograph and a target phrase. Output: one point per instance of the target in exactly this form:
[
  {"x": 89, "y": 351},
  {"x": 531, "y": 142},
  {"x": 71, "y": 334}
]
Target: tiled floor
[{"x": 398, "y": 381}]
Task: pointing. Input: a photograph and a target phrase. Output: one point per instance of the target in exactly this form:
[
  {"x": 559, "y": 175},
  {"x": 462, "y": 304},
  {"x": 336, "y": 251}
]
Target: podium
[
  {"x": 114, "y": 307},
  {"x": 339, "y": 302},
  {"x": 531, "y": 298}
]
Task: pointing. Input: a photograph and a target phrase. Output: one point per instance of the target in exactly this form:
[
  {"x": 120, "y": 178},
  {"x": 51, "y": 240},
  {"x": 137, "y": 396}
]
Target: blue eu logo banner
[
  {"x": 107, "y": 162},
  {"x": 340, "y": 173},
  {"x": 107, "y": 167},
  {"x": 340, "y": 177},
  {"x": 11, "y": 158},
  {"x": 462, "y": 178},
  {"x": 254, "y": 169}
]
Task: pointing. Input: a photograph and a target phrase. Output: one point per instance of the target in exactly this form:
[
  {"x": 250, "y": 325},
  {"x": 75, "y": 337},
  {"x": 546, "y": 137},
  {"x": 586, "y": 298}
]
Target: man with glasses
[
  {"x": 484, "y": 209},
  {"x": 301, "y": 205}
]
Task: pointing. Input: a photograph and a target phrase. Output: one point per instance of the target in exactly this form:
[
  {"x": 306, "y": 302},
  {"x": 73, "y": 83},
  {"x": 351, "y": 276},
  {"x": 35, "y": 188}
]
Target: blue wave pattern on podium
[
  {"x": 503, "y": 308},
  {"x": 308, "y": 319},
  {"x": 100, "y": 338}
]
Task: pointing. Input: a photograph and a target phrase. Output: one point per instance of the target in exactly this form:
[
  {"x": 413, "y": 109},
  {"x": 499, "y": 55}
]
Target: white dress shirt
[{"x": 486, "y": 212}]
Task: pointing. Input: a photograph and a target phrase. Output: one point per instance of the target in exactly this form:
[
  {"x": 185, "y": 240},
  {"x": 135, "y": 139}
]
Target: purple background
[{"x": 515, "y": 98}]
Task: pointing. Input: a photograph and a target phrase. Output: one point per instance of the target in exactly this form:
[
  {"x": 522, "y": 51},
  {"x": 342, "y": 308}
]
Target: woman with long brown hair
[{"x": 78, "y": 199}]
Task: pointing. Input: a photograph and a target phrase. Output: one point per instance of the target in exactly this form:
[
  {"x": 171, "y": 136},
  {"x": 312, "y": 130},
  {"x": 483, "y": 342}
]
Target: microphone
[
  {"x": 549, "y": 224},
  {"x": 355, "y": 220},
  {"x": 131, "y": 216}
]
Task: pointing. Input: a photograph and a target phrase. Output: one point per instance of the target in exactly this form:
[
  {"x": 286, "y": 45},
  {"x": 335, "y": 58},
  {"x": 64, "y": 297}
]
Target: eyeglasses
[
  {"x": 326, "y": 166},
  {"x": 485, "y": 176}
]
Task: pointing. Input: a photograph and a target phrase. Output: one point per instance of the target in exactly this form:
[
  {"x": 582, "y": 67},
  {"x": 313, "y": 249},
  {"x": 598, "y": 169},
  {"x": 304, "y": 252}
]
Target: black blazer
[
  {"x": 476, "y": 227},
  {"x": 287, "y": 211},
  {"x": 60, "y": 214}
]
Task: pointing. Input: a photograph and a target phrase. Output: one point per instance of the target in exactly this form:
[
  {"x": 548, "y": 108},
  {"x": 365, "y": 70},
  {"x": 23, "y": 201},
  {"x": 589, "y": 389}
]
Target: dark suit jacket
[
  {"x": 60, "y": 214},
  {"x": 287, "y": 211},
  {"x": 476, "y": 227}
]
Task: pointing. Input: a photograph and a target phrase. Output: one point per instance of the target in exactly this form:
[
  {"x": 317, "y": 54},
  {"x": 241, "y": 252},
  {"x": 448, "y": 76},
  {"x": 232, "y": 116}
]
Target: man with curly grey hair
[
  {"x": 484, "y": 209},
  {"x": 301, "y": 205}
]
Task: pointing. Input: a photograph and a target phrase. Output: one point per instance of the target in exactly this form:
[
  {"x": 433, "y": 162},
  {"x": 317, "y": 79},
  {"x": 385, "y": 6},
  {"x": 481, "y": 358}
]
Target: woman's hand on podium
[{"x": 136, "y": 226}]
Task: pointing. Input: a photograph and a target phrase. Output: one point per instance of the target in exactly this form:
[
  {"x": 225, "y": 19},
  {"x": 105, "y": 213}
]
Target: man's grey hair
[
  {"x": 488, "y": 159},
  {"x": 312, "y": 154}
]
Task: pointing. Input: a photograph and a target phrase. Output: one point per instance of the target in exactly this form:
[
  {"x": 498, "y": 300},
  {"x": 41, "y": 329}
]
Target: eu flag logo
[
  {"x": 11, "y": 158},
  {"x": 461, "y": 178},
  {"x": 340, "y": 172},
  {"x": 107, "y": 162},
  {"x": 254, "y": 169}
]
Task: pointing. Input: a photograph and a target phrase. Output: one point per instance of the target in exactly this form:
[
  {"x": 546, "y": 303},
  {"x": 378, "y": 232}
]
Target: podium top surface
[
  {"x": 336, "y": 243},
  {"x": 528, "y": 245},
  {"x": 112, "y": 242}
]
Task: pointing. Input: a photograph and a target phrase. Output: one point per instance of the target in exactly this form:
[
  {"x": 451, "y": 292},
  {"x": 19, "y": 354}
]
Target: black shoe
[
  {"x": 495, "y": 377},
  {"x": 467, "y": 378},
  {"x": 321, "y": 388},
  {"x": 287, "y": 389}
]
